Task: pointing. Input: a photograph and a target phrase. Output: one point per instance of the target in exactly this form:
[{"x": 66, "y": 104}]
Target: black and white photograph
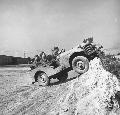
[{"x": 59, "y": 57}]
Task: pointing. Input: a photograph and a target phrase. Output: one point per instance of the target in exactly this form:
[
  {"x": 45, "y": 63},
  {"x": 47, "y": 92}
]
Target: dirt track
[{"x": 19, "y": 96}]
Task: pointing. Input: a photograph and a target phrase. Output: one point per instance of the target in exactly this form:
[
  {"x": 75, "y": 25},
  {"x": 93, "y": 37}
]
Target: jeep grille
[{"x": 89, "y": 49}]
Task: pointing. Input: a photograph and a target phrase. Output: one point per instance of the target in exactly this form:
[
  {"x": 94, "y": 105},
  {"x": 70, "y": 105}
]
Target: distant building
[
  {"x": 5, "y": 60},
  {"x": 20, "y": 60},
  {"x": 10, "y": 60}
]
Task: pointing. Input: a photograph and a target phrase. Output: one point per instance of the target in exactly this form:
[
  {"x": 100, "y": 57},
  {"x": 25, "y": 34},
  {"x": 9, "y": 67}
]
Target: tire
[
  {"x": 42, "y": 79},
  {"x": 80, "y": 64}
]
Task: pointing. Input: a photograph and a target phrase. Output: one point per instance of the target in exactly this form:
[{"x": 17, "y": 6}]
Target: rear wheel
[
  {"x": 42, "y": 79},
  {"x": 80, "y": 64}
]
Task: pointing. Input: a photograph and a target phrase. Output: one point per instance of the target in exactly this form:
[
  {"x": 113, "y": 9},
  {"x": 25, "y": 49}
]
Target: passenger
[
  {"x": 42, "y": 56},
  {"x": 36, "y": 60}
]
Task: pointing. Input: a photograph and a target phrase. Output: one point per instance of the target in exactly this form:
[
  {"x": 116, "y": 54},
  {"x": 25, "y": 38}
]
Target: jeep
[{"x": 76, "y": 59}]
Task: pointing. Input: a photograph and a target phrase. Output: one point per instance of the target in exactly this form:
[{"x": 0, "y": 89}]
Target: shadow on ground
[{"x": 60, "y": 82}]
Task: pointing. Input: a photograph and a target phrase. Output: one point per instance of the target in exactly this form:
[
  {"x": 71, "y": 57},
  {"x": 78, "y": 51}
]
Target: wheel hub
[
  {"x": 41, "y": 79},
  {"x": 80, "y": 65}
]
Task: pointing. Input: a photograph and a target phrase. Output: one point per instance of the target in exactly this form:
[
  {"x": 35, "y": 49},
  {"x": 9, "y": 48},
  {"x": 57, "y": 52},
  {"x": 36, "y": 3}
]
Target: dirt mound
[{"x": 93, "y": 93}]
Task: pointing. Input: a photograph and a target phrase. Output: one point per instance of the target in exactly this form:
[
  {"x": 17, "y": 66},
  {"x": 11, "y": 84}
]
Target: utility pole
[{"x": 24, "y": 54}]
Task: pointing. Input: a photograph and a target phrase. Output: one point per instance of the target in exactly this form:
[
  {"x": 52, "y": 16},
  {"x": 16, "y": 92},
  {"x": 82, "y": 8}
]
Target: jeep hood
[{"x": 69, "y": 52}]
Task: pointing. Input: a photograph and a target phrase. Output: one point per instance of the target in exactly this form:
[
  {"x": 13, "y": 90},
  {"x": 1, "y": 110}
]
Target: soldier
[
  {"x": 55, "y": 52},
  {"x": 36, "y": 60}
]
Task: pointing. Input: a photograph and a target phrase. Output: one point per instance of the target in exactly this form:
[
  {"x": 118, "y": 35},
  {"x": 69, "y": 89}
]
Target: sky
[{"x": 30, "y": 26}]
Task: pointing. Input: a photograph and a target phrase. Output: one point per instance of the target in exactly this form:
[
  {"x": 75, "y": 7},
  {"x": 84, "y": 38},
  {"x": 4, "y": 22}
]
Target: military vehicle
[{"x": 76, "y": 59}]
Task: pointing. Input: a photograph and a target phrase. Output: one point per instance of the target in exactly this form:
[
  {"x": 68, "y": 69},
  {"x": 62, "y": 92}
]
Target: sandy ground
[
  {"x": 90, "y": 92},
  {"x": 19, "y": 96}
]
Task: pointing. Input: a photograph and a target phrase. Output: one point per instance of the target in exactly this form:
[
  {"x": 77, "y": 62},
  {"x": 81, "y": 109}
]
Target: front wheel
[
  {"x": 80, "y": 64},
  {"x": 42, "y": 79}
]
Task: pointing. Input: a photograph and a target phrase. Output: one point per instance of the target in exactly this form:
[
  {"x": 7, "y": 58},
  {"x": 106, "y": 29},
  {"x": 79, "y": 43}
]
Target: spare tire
[{"x": 80, "y": 64}]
